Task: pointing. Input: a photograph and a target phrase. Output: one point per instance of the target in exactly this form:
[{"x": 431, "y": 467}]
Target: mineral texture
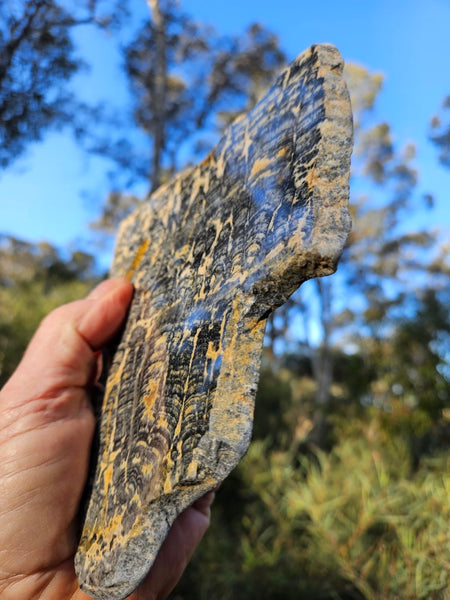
[{"x": 210, "y": 255}]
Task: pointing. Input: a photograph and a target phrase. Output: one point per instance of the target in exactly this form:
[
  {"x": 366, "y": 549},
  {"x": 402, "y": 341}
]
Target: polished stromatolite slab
[{"x": 211, "y": 255}]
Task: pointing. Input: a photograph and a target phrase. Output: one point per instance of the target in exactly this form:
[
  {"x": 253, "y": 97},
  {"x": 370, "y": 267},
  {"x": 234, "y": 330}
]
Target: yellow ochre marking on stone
[
  {"x": 311, "y": 177},
  {"x": 206, "y": 160},
  {"x": 191, "y": 471},
  {"x": 137, "y": 259},
  {"x": 211, "y": 353},
  {"x": 260, "y": 166}
]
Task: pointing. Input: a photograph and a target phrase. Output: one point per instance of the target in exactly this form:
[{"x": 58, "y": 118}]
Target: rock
[{"x": 211, "y": 254}]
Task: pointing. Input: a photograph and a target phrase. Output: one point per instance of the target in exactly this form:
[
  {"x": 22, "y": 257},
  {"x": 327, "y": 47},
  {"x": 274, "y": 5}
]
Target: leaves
[
  {"x": 37, "y": 60},
  {"x": 350, "y": 524},
  {"x": 440, "y": 132}
]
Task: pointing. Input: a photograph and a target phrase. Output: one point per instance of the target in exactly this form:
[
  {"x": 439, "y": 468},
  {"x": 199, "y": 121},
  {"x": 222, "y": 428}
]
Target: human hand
[{"x": 46, "y": 430}]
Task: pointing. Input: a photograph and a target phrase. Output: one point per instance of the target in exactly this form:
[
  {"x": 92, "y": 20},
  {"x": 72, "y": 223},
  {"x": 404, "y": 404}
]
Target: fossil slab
[{"x": 211, "y": 254}]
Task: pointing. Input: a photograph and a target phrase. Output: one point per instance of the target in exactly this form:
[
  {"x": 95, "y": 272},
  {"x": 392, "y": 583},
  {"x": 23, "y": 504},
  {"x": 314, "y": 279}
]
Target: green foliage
[
  {"x": 418, "y": 354},
  {"x": 411, "y": 386},
  {"x": 272, "y": 408},
  {"x": 350, "y": 524},
  {"x": 35, "y": 279},
  {"x": 358, "y": 517}
]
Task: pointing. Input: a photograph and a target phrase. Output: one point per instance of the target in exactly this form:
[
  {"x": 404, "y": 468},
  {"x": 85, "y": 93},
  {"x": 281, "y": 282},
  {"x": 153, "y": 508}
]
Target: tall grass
[{"x": 354, "y": 519}]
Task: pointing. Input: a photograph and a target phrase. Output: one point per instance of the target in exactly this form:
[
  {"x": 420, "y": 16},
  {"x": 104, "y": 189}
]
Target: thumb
[
  {"x": 107, "y": 306},
  {"x": 62, "y": 353}
]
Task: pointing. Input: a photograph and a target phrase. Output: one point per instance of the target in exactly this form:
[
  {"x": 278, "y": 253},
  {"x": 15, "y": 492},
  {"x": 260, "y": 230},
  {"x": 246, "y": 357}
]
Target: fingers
[{"x": 203, "y": 504}]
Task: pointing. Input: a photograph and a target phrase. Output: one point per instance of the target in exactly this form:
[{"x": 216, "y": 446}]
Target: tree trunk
[
  {"x": 159, "y": 25},
  {"x": 322, "y": 365}
]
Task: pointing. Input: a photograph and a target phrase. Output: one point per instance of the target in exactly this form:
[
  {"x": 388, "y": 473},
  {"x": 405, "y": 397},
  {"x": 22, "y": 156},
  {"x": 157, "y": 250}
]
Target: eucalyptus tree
[
  {"x": 187, "y": 83},
  {"x": 38, "y": 60},
  {"x": 387, "y": 262}
]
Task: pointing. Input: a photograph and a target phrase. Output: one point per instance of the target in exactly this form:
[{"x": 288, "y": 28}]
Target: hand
[{"x": 46, "y": 430}]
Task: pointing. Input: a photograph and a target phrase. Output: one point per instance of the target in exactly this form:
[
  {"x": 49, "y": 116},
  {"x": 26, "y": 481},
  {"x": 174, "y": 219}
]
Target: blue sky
[{"x": 53, "y": 191}]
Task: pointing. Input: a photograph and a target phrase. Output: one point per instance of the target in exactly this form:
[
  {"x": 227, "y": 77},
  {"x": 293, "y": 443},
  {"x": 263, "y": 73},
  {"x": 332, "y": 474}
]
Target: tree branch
[{"x": 10, "y": 48}]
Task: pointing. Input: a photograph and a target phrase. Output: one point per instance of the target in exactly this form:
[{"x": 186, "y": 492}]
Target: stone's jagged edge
[{"x": 211, "y": 255}]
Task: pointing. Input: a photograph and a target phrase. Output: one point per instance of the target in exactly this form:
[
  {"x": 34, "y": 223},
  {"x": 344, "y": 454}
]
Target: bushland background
[{"x": 344, "y": 493}]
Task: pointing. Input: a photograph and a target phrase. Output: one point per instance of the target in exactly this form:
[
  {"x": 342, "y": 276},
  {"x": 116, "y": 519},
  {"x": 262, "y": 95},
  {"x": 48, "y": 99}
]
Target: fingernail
[{"x": 106, "y": 287}]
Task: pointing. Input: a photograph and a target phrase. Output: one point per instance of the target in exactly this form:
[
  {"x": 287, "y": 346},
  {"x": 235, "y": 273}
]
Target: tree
[
  {"x": 384, "y": 264},
  {"x": 160, "y": 89},
  {"x": 37, "y": 60},
  {"x": 440, "y": 132},
  {"x": 187, "y": 83}
]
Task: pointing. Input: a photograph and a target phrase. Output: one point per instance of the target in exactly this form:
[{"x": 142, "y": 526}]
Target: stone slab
[{"x": 211, "y": 255}]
